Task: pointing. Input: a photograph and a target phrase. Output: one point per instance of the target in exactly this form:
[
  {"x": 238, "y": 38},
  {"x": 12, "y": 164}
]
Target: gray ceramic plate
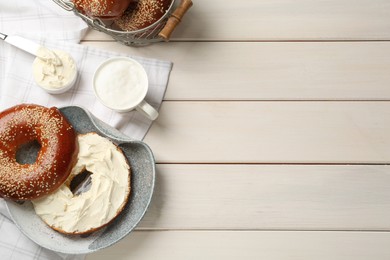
[{"x": 142, "y": 183}]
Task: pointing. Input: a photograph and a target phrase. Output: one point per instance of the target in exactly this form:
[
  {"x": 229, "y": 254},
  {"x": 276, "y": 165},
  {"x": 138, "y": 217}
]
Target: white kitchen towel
[
  {"x": 19, "y": 86},
  {"x": 38, "y": 19},
  {"x": 48, "y": 24}
]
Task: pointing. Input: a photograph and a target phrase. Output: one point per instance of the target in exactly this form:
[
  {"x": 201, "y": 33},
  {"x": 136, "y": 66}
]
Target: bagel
[
  {"x": 108, "y": 194},
  {"x": 142, "y": 14},
  {"x": 25, "y": 123},
  {"x": 106, "y": 9}
]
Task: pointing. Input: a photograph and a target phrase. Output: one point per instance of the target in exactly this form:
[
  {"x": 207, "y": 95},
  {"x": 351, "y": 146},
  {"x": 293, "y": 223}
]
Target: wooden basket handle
[{"x": 175, "y": 19}]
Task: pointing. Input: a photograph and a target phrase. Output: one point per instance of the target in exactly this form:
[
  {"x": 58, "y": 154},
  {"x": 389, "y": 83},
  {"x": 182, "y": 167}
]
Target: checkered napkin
[
  {"x": 19, "y": 86},
  {"x": 49, "y": 25}
]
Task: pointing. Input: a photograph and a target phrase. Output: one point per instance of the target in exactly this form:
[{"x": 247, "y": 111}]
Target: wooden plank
[
  {"x": 249, "y": 245},
  {"x": 270, "y": 197},
  {"x": 272, "y": 132},
  {"x": 272, "y": 71},
  {"x": 283, "y": 20}
]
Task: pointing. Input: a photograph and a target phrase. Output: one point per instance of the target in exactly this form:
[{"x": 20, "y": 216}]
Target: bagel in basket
[{"x": 106, "y": 9}]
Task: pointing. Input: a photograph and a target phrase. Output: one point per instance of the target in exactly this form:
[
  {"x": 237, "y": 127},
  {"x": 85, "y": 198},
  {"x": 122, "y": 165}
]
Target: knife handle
[{"x": 3, "y": 36}]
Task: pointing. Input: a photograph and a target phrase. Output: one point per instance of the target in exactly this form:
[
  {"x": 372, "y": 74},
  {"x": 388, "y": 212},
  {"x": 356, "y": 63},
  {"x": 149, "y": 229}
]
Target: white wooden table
[{"x": 273, "y": 140}]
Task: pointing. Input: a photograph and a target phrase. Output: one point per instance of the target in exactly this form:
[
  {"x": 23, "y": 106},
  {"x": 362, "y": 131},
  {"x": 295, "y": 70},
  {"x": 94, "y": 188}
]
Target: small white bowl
[{"x": 69, "y": 66}]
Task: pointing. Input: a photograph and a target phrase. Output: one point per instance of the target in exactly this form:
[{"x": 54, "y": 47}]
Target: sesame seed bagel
[
  {"x": 57, "y": 155},
  {"x": 142, "y": 14},
  {"x": 106, "y": 9}
]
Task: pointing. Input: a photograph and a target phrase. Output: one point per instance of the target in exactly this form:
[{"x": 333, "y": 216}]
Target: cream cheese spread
[
  {"x": 54, "y": 69},
  {"x": 106, "y": 197}
]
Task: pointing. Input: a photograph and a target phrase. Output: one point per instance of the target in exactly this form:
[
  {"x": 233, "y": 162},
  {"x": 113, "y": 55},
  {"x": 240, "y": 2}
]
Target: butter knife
[{"x": 30, "y": 47}]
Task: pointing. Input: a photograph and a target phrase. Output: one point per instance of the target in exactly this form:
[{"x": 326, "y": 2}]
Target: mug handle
[{"x": 147, "y": 110}]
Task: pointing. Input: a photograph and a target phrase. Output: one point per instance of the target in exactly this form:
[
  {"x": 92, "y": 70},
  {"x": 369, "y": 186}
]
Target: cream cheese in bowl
[{"x": 54, "y": 71}]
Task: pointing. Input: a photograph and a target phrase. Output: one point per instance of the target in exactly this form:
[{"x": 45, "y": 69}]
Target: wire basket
[{"x": 161, "y": 30}]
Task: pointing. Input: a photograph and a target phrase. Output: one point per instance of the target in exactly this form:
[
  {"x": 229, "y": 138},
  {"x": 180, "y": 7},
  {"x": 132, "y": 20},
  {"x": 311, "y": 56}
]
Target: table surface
[{"x": 273, "y": 140}]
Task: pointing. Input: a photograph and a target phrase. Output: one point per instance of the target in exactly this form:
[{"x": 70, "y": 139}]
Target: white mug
[{"x": 121, "y": 84}]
